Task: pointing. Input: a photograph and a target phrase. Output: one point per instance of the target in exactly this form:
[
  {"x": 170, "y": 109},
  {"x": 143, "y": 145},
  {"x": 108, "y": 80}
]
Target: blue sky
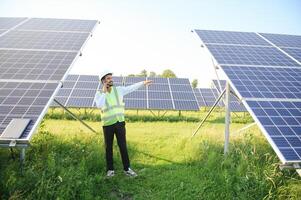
[{"x": 155, "y": 35}]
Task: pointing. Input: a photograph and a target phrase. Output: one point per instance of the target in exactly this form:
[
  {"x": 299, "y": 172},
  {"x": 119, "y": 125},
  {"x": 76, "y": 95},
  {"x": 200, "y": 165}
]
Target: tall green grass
[{"x": 66, "y": 161}]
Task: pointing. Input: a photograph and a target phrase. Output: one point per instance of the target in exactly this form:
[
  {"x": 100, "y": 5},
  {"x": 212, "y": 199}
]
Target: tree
[
  {"x": 194, "y": 83},
  {"x": 131, "y": 75},
  {"x": 143, "y": 73},
  {"x": 152, "y": 74},
  {"x": 168, "y": 74}
]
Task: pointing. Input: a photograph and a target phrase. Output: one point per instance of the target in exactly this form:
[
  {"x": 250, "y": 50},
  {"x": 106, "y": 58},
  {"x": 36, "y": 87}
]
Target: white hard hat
[{"x": 104, "y": 73}]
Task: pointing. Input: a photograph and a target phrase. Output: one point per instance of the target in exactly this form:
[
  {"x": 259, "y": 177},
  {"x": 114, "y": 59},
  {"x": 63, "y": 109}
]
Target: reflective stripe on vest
[{"x": 115, "y": 112}]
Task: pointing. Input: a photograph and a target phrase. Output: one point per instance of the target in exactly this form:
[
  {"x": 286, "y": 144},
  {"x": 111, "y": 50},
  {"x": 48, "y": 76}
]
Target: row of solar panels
[
  {"x": 264, "y": 71},
  {"x": 163, "y": 94},
  {"x": 35, "y": 55}
]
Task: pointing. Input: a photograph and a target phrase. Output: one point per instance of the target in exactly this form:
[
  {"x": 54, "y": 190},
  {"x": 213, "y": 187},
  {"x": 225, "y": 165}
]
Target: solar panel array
[
  {"x": 235, "y": 104},
  {"x": 35, "y": 55},
  {"x": 207, "y": 96},
  {"x": 163, "y": 94},
  {"x": 264, "y": 71}
]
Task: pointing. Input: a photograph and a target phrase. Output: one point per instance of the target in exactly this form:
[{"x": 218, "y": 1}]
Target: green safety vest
[{"x": 113, "y": 110}]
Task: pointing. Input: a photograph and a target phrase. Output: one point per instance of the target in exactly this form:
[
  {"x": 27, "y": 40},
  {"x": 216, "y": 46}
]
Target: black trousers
[{"x": 119, "y": 130}]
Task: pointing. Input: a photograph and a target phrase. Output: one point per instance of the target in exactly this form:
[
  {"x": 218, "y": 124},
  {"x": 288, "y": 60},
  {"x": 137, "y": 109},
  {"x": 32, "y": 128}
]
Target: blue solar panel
[
  {"x": 282, "y": 123},
  {"x": 43, "y": 40},
  {"x": 181, "y": 88},
  {"x": 88, "y": 78},
  {"x": 34, "y": 65},
  {"x": 229, "y": 37},
  {"x": 157, "y": 80},
  {"x": 131, "y": 80},
  {"x": 183, "y": 81},
  {"x": 72, "y": 77},
  {"x": 250, "y": 55},
  {"x": 161, "y": 104},
  {"x": 265, "y": 82},
  {"x": 10, "y": 22},
  {"x": 199, "y": 97},
  {"x": 157, "y": 87},
  {"x": 135, "y": 103},
  {"x": 282, "y": 40},
  {"x": 159, "y": 95},
  {"x": 58, "y": 25},
  {"x": 186, "y": 105},
  {"x": 295, "y": 53},
  {"x": 23, "y": 100},
  {"x": 136, "y": 95},
  {"x": 80, "y": 102},
  {"x": 183, "y": 95},
  {"x": 210, "y": 95}
]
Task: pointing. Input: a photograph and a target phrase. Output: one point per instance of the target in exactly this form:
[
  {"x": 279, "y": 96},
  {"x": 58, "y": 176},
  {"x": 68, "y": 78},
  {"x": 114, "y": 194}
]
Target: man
[{"x": 110, "y": 100}]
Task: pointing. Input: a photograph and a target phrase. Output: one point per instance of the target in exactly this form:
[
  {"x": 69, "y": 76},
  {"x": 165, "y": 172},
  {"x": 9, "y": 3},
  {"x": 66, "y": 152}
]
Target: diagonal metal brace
[
  {"x": 210, "y": 111},
  {"x": 74, "y": 116}
]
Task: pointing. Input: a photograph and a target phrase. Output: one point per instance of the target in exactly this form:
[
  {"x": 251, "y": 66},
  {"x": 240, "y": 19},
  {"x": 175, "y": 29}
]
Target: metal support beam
[
  {"x": 74, "y": 116},
  {"x": 227, "y": 118},
  {"x": 244, "y": 128},
  {"x": 210, "y": 111}
]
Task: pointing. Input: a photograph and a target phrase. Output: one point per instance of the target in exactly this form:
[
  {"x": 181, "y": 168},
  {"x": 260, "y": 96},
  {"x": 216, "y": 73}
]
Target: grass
[{"x": 66, "y": 161}]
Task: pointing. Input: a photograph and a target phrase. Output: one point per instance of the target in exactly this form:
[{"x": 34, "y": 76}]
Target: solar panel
[
  {"x": 226, "y": 37},
  {"x": 161, "y": 104},
  {"x": 210, "y": 95},
  {"x": 249, "y": 55},
  {"x": 135, "y": 103},
  {"x": 265, "y": 82},
  {"x": 34, "y": 65},
  {"x": 181, "y": 81},
  {"x": 235, "y": 104},
  {"x": 58, "y": 25},
  {"x": 68, "y": 41},
  {"x": 295, "y": 53},
  {"x": 271, "y": 91},
  {"x": 131, "y": 80},
  {"x": 80, "y": 86},
  {"x": 10, "y": 22},
  {"x": 282, "y": 124},
  {"x": 2, "y": 31},
  {"x": 23, "y": 100},
  {"x": 282, "y": 40},
  {"x": 199, "y": 97},
  {"x": 186, "y": 105}
]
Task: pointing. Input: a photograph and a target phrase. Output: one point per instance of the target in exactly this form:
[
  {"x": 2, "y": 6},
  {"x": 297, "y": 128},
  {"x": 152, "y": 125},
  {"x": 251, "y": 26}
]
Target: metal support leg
[
  {"x": 22, "y": 155},
  {"x": 210, "y": 111},
  {"x": 227, "y": 119},
  {"x": 74, "y": 116}
]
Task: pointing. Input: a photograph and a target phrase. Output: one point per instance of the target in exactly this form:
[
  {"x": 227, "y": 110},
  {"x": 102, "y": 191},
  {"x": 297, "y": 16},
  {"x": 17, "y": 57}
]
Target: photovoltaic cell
[
  {"x": 295, "y": 53},
  {"x": 23, "y": 100},
  {"x": 282, "y": 40},
  {"x": 135, "y": 103},
  {"x": 282, "y": 123},
  {"x": 199, "y": 97},
  {"x": 250, "y": 55},
  {"x": 181, "y": 81},
  {"x": 265, "y": 82},
  {"x": 84, "y": 85},
  {"x": 227, "y": 37},
  {"x": 10, "y": 22},
  {"x": 34, "y": 65},
  {"x": 58, "y": 25},
  {"x": 161, "y": 104},
  {"x": 68, "y": 41}
]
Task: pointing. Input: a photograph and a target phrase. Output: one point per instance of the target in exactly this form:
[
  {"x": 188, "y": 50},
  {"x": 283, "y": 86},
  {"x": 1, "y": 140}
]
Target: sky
[{"x": 156, "y": 35}]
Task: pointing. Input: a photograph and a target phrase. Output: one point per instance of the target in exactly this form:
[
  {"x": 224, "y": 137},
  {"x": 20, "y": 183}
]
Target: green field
[{"x": 66, "y": 161}]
